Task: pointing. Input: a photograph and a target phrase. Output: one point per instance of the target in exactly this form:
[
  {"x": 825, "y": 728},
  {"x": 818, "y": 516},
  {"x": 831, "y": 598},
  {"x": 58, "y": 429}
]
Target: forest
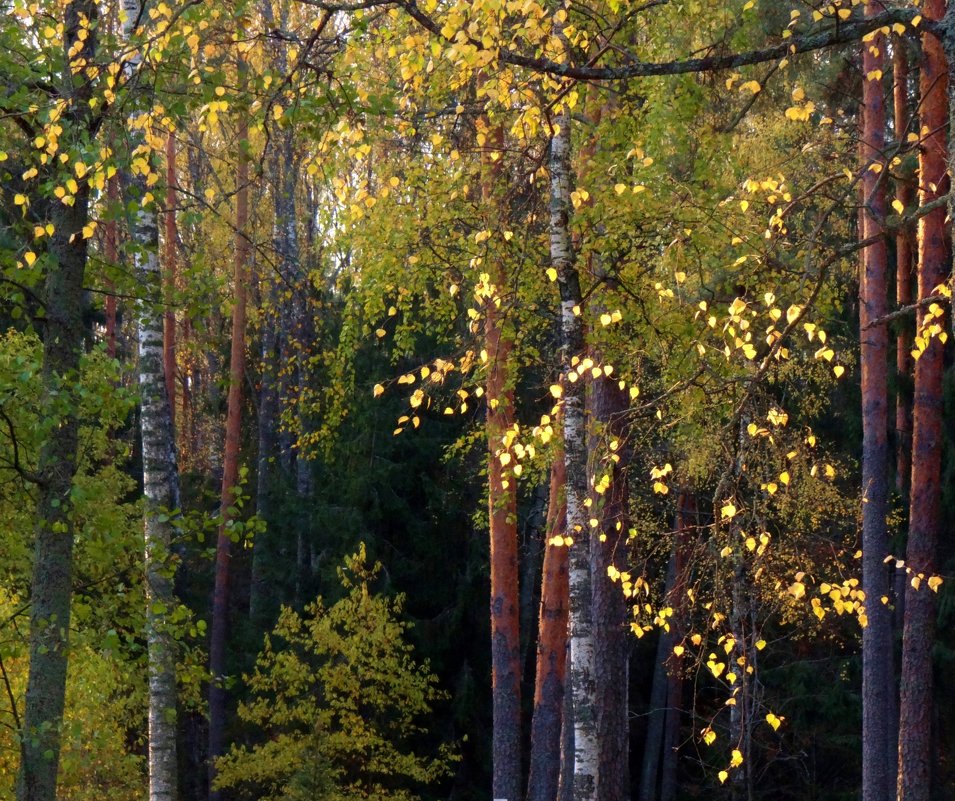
[{"x": 528, "y": 400}]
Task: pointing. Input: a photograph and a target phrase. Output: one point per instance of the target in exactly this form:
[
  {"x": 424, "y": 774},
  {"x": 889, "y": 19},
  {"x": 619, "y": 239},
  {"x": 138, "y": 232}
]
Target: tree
[
  {"x": 340, "y": 698},
  {"x": 877, "y": 635},
  {"x": 916, "y": 700}
]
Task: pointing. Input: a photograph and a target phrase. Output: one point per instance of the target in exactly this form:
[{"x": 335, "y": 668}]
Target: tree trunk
[
  {"x": 502, "y": 510},
  {"x": 659, "y": 690},
  {"x": 582, "y": 676},
  {"x": 111, "y": 254},
  {"x": 160, "y": 471},
  {"x": 169, "y": 321},
  {"x": 51, "y": 586},
  {"x": 230, "y": 463},
  {"x": 874, "y": 343},
  {"x": 915, "y": 723},
  {"x": 686, "y": 519},
  {"x": 542, "y": 784},
  {"x": 904, "y": 251},
  {"x": 609, "y": 405}
]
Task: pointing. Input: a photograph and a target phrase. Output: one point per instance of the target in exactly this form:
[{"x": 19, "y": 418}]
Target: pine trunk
[
  {"x": 551, "y": 672},
  {"x": 904, "y": 252},
  {"x": 916, "y": 703},
  {"x": 230, "y": 463},
  {"x": 874, "y": 343},
  {"x": 582, "y": 675},
  {"x": 502, "y": 512}
]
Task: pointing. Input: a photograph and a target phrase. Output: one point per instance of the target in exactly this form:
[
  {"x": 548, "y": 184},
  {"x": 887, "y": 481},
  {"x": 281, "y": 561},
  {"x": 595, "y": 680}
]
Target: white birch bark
[
  {"x": 582, "y": 679},
  {"x": 160, "y": 471}
]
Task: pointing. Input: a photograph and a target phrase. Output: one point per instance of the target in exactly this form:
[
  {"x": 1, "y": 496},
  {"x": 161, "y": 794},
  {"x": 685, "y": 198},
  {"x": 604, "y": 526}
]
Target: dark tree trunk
[
  {"x": 609, "y": 406},
  {"x": 916, "y": 702},
  {"x": 549, "y": 682},
  {"x": 51, "y": 586},
  {"x": 169, "y": 319},
  {"x": 874, "y": 340},
  {"x": 686, "y": 519},
  {"x": 111, "y": 253},
  {"x": 230, "y": 469}
]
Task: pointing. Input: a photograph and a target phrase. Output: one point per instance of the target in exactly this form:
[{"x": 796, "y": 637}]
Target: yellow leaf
[
  {"x": 620, "y": 188},
  {"x": 934, "y": 583},
  {"x": 736, "y": 759},
  {"x": 760, "y": 644},
  {"x": 678, "y": 650},
  {"x": 552, "y": 273},
  {"x": 838, "y": 370},
  {"x": 29, "y": 257},
  {"x": 722, "y": 776},
  {"x": 728, "y": 511},
  {"x": 378, "y": 390},
  {"x": 751, "y": 86},
  {"x": 709, "y": 736},
  {"x": 898, "y": 206},
  {"x": 773, "y": 721}
]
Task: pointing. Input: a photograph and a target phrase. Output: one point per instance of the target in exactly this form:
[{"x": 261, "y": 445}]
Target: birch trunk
[
  {"x": 874, "y": 343},
  {"x": 916, "y": 702},
  {"x": 582, "y": 676},
  {"x": 160, "y": 472},
  {"x": 230, "y": 463},
  {"x": 551, "y": 671}
]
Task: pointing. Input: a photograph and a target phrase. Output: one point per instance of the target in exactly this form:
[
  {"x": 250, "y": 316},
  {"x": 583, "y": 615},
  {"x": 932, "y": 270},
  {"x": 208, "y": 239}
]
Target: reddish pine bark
[
  {"x": 169, "y": 319},
  {"x": 916, "y": 704},
  {"x": 904, "y": 252},
  {"x": 230, "y": 469},
  {"x": 874, "y": 343},
  {"x": 502, "y": 508},
  {"x": 549, "y": 682}
]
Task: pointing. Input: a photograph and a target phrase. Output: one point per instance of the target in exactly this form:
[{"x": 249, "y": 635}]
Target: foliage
[{"x": 339, "y": 696}]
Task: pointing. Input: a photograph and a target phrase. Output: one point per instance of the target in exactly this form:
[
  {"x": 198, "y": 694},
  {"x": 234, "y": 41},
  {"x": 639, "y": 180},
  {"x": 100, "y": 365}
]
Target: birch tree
[{"x": 160, "y": 470}]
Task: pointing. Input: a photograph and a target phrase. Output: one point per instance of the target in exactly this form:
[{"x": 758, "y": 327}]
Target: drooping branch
[{"x": 840, "y": 33}]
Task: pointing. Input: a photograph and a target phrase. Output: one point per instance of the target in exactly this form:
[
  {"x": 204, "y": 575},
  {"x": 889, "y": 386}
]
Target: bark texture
[
  {"x": 904, "y": 262},
  {"x": 160, "y": 471},
  {"x": 551, "y": 673},
  {"x": 169, "y": 319},
  {"x": 502, "y": 502},
  {"x": 230, "y": 463},
  {"x": 51, "y": 584},
  {"x": 916, "y": 701},
  {"x": 874, "y": 343},
  {"x": 582, "y": 675}
]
